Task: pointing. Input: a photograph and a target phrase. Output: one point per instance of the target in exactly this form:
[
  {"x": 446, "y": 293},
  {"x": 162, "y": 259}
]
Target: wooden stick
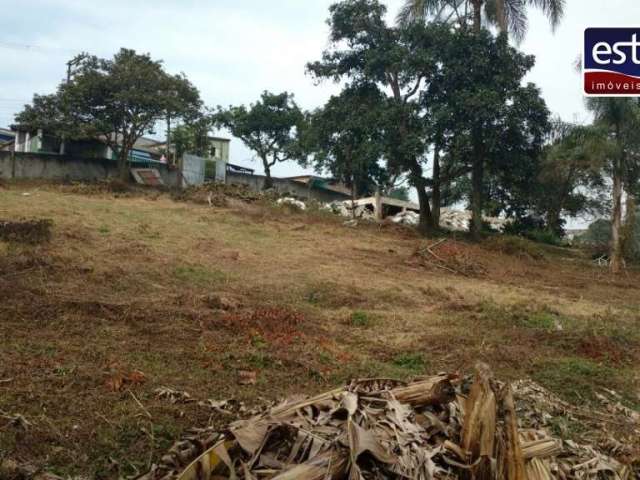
[{"x": 140, "y": 404}]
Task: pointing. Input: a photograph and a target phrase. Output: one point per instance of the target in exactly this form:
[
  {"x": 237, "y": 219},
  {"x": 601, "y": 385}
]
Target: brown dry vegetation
[{"x": 138, "y": 291}]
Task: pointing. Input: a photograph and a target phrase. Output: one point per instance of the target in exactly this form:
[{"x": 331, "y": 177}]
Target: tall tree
[
  {"x": 115, "y": 100},
  {"x": 569, "y": 180},
  {"x": 269, "y": 127},
  {"x": 487, "y": 120},
  {"x": 619, "y": 118},
  {"x": 400, "y": 61},
  {"x": 345, "y": 138},
  {"x": 511, "y": 17}
]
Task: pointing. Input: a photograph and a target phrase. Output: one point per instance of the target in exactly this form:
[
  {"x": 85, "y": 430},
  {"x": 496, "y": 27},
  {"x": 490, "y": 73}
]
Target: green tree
[
  {"x": 269, "y": 127},
  {"x": 510, "y": 16},
  {"x": 619, "y": 120},
  {"x": 485, "y": 121},
  {"x": 192, "y": 137},
  {"x": 116, "y": 100},
  {"x": 569, "y": 178},
  {"x": 399, "y": 60},
  {"x": 345, "y": 138}
]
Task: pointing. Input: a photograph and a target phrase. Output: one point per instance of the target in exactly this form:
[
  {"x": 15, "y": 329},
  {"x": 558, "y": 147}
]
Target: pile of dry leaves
[{"x": 440, "y": 427}]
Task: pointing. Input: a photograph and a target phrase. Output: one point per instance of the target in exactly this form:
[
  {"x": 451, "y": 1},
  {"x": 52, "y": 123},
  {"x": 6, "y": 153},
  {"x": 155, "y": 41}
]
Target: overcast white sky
[{"x": 234, "y": 49}]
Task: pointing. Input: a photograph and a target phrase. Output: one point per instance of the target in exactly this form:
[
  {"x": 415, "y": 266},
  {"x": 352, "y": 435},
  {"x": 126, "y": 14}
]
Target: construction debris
[
  {"x": 459, "y": 220},
  {"x": 406, "y": 218},
  {"x": 27, "y": 231},
  {"x": 290, "y": 201},
  {"x": 453, "y": 220},
  {"x": 350, "y": 210},
  {"x": 439, "y": 427}
]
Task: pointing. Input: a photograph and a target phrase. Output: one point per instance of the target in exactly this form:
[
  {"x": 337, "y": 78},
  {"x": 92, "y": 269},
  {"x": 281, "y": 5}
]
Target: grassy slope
[{"x": 130, "y": 284}]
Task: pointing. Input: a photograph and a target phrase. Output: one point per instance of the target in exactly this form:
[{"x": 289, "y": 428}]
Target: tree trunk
[
  {"x": 168, "y": 139},
  {"x": 123, "y": 164},
  {"x": 436, "y": 192},
  {"x": 353, "y": 197},
  {"x": 477, "y": 171},
  {"x": 268, "y": 181},
  {"x": 426, "y": 224},
  {"x": 501, "y": 14},
  {"x": 616, "y": 223},
  {"x": 477, "y": 15},
  {"x": 629, "y": 248},
  {"x": 477, "y": 174},
  {"x": 553, "y": 221}
]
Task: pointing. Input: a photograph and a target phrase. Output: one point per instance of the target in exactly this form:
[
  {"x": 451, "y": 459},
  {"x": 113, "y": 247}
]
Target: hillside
[{"x": 140, "y": 291}]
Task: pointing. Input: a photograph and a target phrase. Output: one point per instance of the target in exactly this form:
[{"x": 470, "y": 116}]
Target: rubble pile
[
  {"x": 458, "y": 220},
  {"x": 347, "y": 209},
  {"x": 438, "y": 427},
  {"x": 290, "y": 201},
  {"x": 406, "y": 218}
]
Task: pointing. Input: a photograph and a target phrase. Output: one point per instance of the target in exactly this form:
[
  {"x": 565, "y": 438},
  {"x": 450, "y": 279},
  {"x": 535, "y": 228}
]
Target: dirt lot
[{"x": 135, "y": 292}]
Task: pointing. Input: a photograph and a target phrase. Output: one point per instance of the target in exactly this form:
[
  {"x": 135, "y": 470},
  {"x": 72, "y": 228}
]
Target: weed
[
  {"x": 577, "y": 379},
  {"x": 412, "y": 362},
  {"x": 326, "y": 358},
  {"x": 258, "y": 341},
  {"x": 62, "y": 371},
  {"x": 360, "y": 319},
  {"x": 200, "y": 276},
  {"x": 260, "y": 360},
  {"x": 103, "y": 230},
  {"x": 540, "y": 321},
  {"x": 332, "y": 295}
]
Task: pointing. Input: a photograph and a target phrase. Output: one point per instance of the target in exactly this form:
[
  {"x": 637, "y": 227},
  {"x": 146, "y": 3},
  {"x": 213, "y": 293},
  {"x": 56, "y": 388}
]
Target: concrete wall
[
  {"x": 284, "y": 186},
  {"x": 62, "y": 167},
  {"x": 222, "y": 149}
]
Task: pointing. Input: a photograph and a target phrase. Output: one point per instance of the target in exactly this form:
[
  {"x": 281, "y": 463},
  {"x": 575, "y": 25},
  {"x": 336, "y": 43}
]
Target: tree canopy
[
  {"x": 510, "y": 16},
  {"x": 345, "y": 138},
  {"x": 269, "y": 127},
  {"x": 116, "y": 100},
  {"x": 447, "y": 92}
]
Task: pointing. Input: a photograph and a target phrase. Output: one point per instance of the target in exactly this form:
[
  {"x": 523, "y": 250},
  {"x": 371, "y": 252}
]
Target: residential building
[
  {"x": 39, "y": 141},
  {"x": 6, "y": 135},
  {"x": 6, "y": 139},
  {"x": 218, "y": 148}
]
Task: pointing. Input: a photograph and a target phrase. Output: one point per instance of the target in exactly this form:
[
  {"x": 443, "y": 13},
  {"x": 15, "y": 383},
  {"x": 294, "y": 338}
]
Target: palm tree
[
  {"x": 509, "y": 16},
  {"x": 619, "y": 119}
]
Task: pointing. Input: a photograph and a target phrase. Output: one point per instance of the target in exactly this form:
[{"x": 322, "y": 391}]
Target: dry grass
[{"x": 126, "y": 285}]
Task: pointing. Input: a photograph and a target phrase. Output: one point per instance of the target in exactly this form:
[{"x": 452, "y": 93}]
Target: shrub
[
  {"x": 534, "y": 229},
  {"x": 511, "y": 245}
]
